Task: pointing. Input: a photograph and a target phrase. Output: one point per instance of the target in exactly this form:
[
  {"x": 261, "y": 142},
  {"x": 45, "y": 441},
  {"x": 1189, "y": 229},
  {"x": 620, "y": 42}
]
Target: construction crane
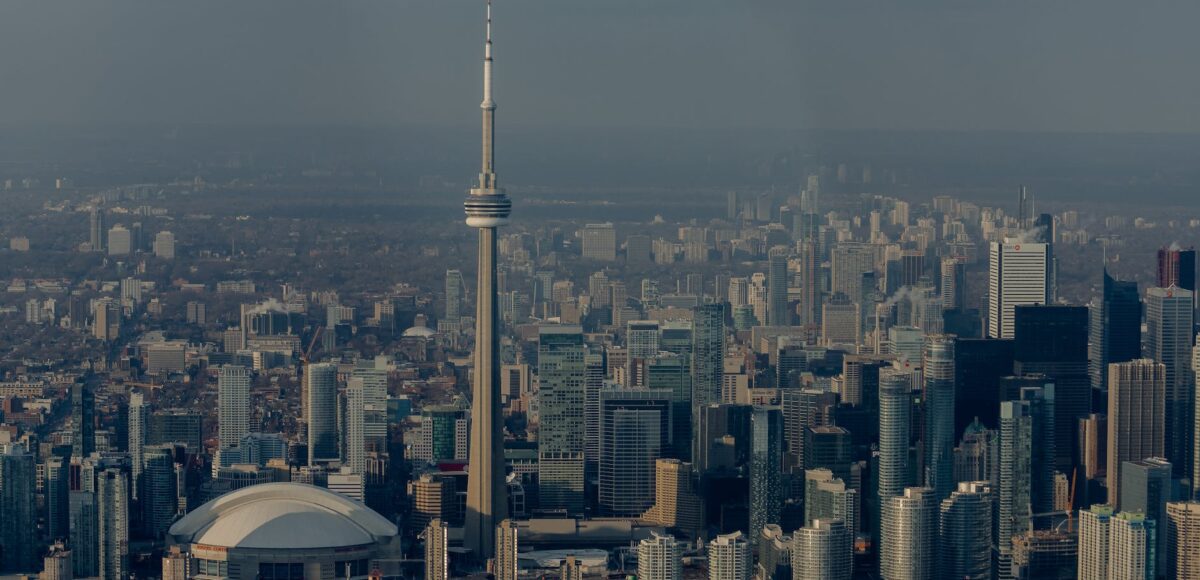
[{"x": 308, "y": 351}]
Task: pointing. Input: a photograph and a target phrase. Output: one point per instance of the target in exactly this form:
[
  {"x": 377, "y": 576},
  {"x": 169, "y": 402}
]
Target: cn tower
[{"x": 487, "y": 208}]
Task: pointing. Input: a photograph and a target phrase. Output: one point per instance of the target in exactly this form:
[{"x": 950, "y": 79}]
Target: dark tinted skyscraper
[
  {"x": 1116, "y": 328},
  {"x": 1053, "y": 341},
  {"x": 83, "y": 420},
  {"x": 1176, "y": 267},
  {"x": 979, "y": 363}
]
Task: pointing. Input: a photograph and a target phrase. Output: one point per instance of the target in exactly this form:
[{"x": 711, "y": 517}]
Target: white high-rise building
[
  {"x": 355, "y": 425},
  {"x": 729, "y": 557},
  {"x": 819, "y": 551},
  {"x": 1169, "y": 314},
  {"x": 599, "y": 242},
  {"x": 120, "y": 241},
  {"x": 1132, "y": 538},
  {"x": 506, "y": 551},
  {"x": 321, "y": 412},
  {"x": 908, "y": 537},
  {"x": 233, "y": 405},
  {"x": 437, "y": 550},
  {"x": 164, "y": 245},
  {"x": 1018, "y": 275},
  {"x": 137, "y": 435},
  {"x": 113, "y": 516},
  {"x": 660, "y": 557},
  {"x": 1094, "y": 529}
]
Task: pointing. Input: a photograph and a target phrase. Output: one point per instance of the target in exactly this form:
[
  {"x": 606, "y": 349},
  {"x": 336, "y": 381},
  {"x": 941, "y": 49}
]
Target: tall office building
[
  {"x": 938, "y": 366},
  {"x": 660, "y": 557},
  {"x": 1019, "y": 274},
  {"x": 18, "y": 512},
  {"x": 1053, "y": 341},
  {"x": 708, "y": 353},
  {"x": 1136, "y": 399},
  {"x": 1176, "y": 267},
  {"x": 138, "y": 415},
  {"x": 112, "y": 492},
  {"x": 895, "y": 424},
  {"x": 671, "y": 372},
  {"x": 1115, "y": 328},
  {"x": 804, "y": 409},
  {"x": 777, "y": 288},
  {"x": 561, "y": 405},
  {"x": 635, "y": 431},
  {"x": 505, "y": 564},
  {"x": 909, "y": 535},
  {"x": 819, "y": 551},
  {"x": 120, "y": 241},
  {"x": 729, "y": 557},
  {"x": 722, "y": 437},
  {"x": 85, "y": 533},
  {"x": 599, "y": 242},
  {"x": 437, "y": 550},
  {"x": 676, "y": 503},
  {"x": 487, "y": 208},
  {"x": 83, "y": 420},
  {"x": 233, "y": 405},
  {"x": 1169, "y": 314},
  {"x": 954, "y": 283},
  {"x": 966, "y": 532},
  {"x": 849, "y": 261},
  {"x": 1146, "y": 487},
  {"x": 96, "y": 230},
  {"x": 809, "y": 282},
  {"x": 766, "y": 468},
  {"x": 455, "y": 288},
  {"x": 595, "y": 369},
  {"x": 159, "y": 490},
  {"x": 321, "y": 394},
  {"x": 56, "y": 490},
  {"x": 978, "y": 367},
  {"x": 1183, "y": 538},
  {"x": 1026, "y": 465},
  {"x": 164, "y": 245},
  {"x": 1094, "y": 540}
]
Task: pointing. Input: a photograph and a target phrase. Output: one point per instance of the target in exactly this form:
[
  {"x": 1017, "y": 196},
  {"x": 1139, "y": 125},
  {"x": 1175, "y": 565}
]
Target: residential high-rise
[
  {"x": 938, "y": 366},
  {"x": 455, "y": 287},
  {"x": 120, "y": 241},
  {"x": 819, "y": 551},
  {"x": 233, "y": 405},
  {"x": 1169, "y": 314},
  {"x": 966, "y": 532},
  {"x": 1115, "y": 328},
  {"x": 18, "y": 512},
  {"x": 1019, "y": 273},
  {"x": 909, "y": 535},
  {"x": 660, "y": 557},
  {"x": 321, "y": 393},
  {"x": 1136, "y": 399},
  {"x": 505, "y": 563},
  {"x": 807, "y": 278},
  {"x": 895, "y": 424},
  {"x": 777, "y": 288},
  {"x": 85, "y": 533},
  {"x": 83, "y": 420},
  {"x": 729, "y": 557},
  {"x": 1094, "y": 541},
  {"x": 829, "y": 498},
  {"x": 954, "y": 283},
  {"x": 1053, "y": 341},
  {"x": 1146, "y": 487},
  {"x": 138, "y": 415},
  {"x": 1183, "y": 539},
  {"x": 176, "y": 564},
  {"x": 766, "y": 468},
  {"x": 164, "y": 245},
  {"x": 599, "y": 242},
  {"x": 354, "y": 437},
  {"x": 1026, "y": 465},
  {"x": 561, "y": 414},
  {"x": 708, "y": 353},
  {"x": 437, "y": 550},
  {"x": 56, "y": 490},
  {"x": 1132, "y": 540},
  {"x": 676, "y": 503},
  {"x": 96, "y": 230},
  {"x": 112, "y": 492},
  {"x": 159, "y": 490},
  {"x": 487, "y": 208},
  {"x": 635, "y": 431}
]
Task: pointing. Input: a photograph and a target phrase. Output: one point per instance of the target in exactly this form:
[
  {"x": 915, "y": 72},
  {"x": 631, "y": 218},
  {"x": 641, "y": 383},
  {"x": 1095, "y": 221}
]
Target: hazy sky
[{"x": 1097, "y": 65}]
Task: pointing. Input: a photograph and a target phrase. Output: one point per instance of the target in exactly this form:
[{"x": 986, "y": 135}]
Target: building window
[
  {"x": 212, "y": 567},
  {"x": 357, "y": 568},
  {"x": 281, "y": 571}
]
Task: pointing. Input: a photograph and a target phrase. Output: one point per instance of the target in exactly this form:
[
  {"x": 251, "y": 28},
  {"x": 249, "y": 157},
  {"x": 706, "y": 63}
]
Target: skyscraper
[
  {"x": 137, "y": 419},
  {"x": 966, "y": 532},
  {"x": 1136, "y": 391},
  {"x": 355, "y": 424},
  {"x": 83, "y": 420},
  {"x": 939, "y": 414},
  {"x": 454, "y": 295},
  {"x": 487, "y": 208},
  {"x": 828, "y": 498},
  {"x": 437, "y": 550},
  {"x": 1132, "y": 539},
  {"x": 777, "y": 288},
  {"x": 505, "y": 567},
  {"x": 1019, "y": 273},
  {"x": 804, "y": 409},
  {"x": 112, "y": 491},
  {"x": 159, "y": 494},
  {"x": 18, "y": 513},
  {"x": 1146, "y": 487},
  {"x": 1053, "y": 341},
  {"x": 85, "y": 535},
  {"x": 635, "y": 430},
  {"x": 599, "y": 242},
  {"x": 58, "y": 520},
  {"x": 1115, "y": 328},
  {"x": 1026, "y": 465},
  {"x": 96, "y": 229},
  {"x": 1183, "y": 538},
  {"x": 660, "y": 557},
  {"x": 819, "y": 551},
  {"x": 1094, "y": 540},
  {"x": 766, "y": 468},
  {"x": 321, "y": 406},
  {"x": 561, "y": 400},
  {"x": 954, "y": 283},
  {"x": 909, "y": 533},
  {"x": 708, "y": 359},
  {"x": 1169, "y": 313},
  {"x": 1176, "y": 267},
  {"x": 729, "y": 557},
  {"x": 895, "y": 424}
]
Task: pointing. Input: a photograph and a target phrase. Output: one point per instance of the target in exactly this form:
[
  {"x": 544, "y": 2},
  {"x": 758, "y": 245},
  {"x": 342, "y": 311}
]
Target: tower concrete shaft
[{"x": 487, "y": 208}]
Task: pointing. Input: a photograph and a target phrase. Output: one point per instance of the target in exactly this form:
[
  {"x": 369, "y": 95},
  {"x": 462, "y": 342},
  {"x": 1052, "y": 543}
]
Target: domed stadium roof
[{"x": 282, "y": 516}]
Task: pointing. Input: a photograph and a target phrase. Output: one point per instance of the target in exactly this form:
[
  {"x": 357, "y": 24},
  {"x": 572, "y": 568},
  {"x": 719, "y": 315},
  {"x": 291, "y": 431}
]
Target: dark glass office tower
[
  {"x": 1177, "y": 267},
  {"x": 979, "y": 363},
  {"x": 1116, "y": 328},
  {"x": 1053, "y": 341}
]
